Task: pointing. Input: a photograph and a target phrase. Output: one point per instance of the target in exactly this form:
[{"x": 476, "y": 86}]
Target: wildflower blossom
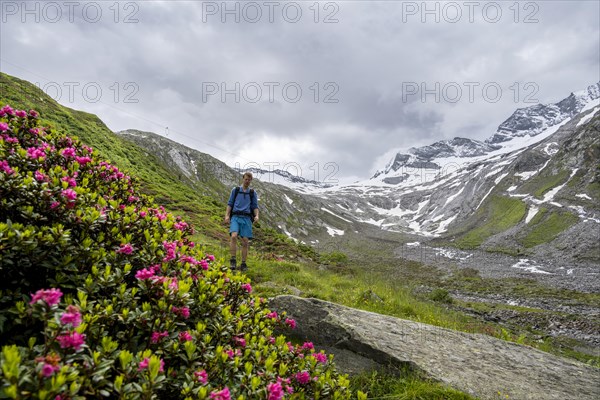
[
  {"x": 3, "y": 126},
  {"x": 157, "y": 336},
  {"x": 185, "y": 336},
  {"x": 20, "y": 113},
  {"x": 321, "y": 357},
  {"x": 71, "y": 316},
  {"x": 49, "y": 369},
  {"x": 308, "y": 346},
  {"x": 303, "y": 377},
  {"x": 240, "y": 341},
  {"x": 146, "y": 362},
  {"x": 202, "y": 376},
  {"x": 5, "y": 167},
  {"x": 221, "y": 395},
  {"x": 49, "y": 296},
  {"x": 125, "y": 249},
  {"x": 69, "y": 194},
  {"x": 275, "y": 391},
  {"x": 82, "y": 160},
  {"x": 71, "y": 339},
  {"x": 204, "y": 264},
  {"x": 7, "y": 110},
  {"x": 182, "y": 311},
  {"x": 144, "y": 274},
  {"x": 290, "y": 322},
  {"x": 68, "y": 152},
  {"x": 247, "y": 287},
  {"x": 272, "y": 315},
  {"x": 36, "y": 153},
  {"x": 70, "y": 181},
  {"x": 180, "y": 226},
  {"x": 39, "y": 176}
]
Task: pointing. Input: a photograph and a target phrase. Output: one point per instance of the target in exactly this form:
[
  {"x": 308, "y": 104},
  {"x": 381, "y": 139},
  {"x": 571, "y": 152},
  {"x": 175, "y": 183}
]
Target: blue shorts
[{"x": 242, "y": 225}]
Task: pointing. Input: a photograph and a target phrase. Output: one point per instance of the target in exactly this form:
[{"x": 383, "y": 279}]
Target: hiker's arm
[
  {"x": 227, "y": 213},
  {"x": 255, "y": 214}
]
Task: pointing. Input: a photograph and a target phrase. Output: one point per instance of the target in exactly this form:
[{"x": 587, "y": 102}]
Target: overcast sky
[{"x": 334, "y": 87}]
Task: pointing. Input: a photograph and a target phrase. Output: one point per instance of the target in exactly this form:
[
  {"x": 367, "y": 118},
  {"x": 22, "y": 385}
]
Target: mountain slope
[{"x": 516, "y": 195}]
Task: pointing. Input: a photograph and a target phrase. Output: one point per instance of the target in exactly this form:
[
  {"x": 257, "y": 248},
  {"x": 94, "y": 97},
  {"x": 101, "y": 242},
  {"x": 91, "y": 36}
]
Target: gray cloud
[{"x": 370, "y": 61}]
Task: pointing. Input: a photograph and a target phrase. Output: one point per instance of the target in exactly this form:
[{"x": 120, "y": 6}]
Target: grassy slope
[{"x": 498, "y": 214}]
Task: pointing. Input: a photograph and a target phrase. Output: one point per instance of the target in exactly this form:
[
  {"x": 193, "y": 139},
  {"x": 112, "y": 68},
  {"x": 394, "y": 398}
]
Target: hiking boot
[
  {"x": 232, "y": 264},
  {"x": 243, "y": 267}
]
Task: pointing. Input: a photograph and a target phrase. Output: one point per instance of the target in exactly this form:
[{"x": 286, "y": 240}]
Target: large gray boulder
[{"x": 473, "y": 363}]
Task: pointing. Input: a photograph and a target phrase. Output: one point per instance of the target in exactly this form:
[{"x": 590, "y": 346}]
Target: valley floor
[{"x": 554, "y": 307}]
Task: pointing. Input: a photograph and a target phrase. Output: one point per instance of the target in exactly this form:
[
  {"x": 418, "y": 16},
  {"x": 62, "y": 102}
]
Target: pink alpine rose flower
[
  {"x": 49, "y": 296},
  {"x": 36, "y": 153},
  {"x": 157, "y": 336},
  {"x": 185, "y": 336},
  {"x": 71, "y": 339},
  {"x": 247, "y": 287},
  {"x": 202, "y": 376},
  {"x": 68, "y": 152},
  {"x": 71, "y": 316},
  {"x": 275, "y": 391},
  {"x": 303, "y": 377},
  {"x": 69, "y": 194},
  {"x": 221, "y": 395},
  {"x": 290, "y": 322},
  {"x": 5, "y": 167},
  {"x": 146, "y": 362},
  {"x": 49, "y": 369},
  {"x": 125, "y": 249}
]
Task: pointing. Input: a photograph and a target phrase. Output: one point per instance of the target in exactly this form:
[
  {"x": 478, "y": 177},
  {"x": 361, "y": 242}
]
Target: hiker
[{"x": 242, "y": 211}]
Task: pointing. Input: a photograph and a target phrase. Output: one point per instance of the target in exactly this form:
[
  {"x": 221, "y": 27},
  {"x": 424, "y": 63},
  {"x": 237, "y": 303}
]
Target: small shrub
[{"x": 441, "y": 296}]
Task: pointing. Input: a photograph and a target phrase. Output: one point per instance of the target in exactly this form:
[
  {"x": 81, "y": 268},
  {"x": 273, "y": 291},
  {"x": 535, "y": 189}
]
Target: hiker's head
[{"x": 246, "y": 179}]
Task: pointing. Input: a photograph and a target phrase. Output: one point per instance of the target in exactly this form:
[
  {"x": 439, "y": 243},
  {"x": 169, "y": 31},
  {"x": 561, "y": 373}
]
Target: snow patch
[
  {"x": 530, "y": 266},
  {"x": 583, "y": 196},
  {"x": 533, "y": 210},
  {"x": 443, "y": 226},
  {"x": 550, "y": 194},
  {"x": 588, "y": 117},
  {"x": 498, "y": 179},
  {"x": 332, "y": 231}
]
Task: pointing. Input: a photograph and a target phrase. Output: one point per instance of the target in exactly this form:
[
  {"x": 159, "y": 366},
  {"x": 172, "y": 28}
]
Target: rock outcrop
[{"x": 473, "y": 363}]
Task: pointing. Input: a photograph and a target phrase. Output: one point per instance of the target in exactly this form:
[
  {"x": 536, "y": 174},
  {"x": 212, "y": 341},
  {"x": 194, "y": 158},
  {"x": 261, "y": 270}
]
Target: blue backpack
[{"x": 252, "y": 194}]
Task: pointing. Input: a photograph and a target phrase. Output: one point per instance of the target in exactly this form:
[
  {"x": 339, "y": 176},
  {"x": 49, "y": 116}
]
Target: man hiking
[{"x": 242, "y": 211}]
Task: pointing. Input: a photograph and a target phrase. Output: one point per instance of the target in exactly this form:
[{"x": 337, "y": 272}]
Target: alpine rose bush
[{"x": 103, "y": 294}]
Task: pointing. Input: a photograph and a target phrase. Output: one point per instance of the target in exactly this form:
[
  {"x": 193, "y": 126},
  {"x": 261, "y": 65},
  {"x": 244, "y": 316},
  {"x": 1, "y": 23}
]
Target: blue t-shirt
[{"x": 243, "y": 202}]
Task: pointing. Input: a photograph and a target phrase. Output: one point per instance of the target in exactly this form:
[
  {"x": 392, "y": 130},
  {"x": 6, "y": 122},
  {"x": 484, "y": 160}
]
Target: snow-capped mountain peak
[{"x": 524, "y": 122}]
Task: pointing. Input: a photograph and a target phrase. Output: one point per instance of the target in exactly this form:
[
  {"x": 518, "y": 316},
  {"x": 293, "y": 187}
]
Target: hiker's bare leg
[
  {"x": 233, "y": 244},
  {"x": 244, "y": 249}
]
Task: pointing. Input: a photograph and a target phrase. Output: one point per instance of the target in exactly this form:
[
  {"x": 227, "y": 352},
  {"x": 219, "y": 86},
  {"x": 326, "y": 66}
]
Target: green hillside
[{"x": 193, "y": 200}]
